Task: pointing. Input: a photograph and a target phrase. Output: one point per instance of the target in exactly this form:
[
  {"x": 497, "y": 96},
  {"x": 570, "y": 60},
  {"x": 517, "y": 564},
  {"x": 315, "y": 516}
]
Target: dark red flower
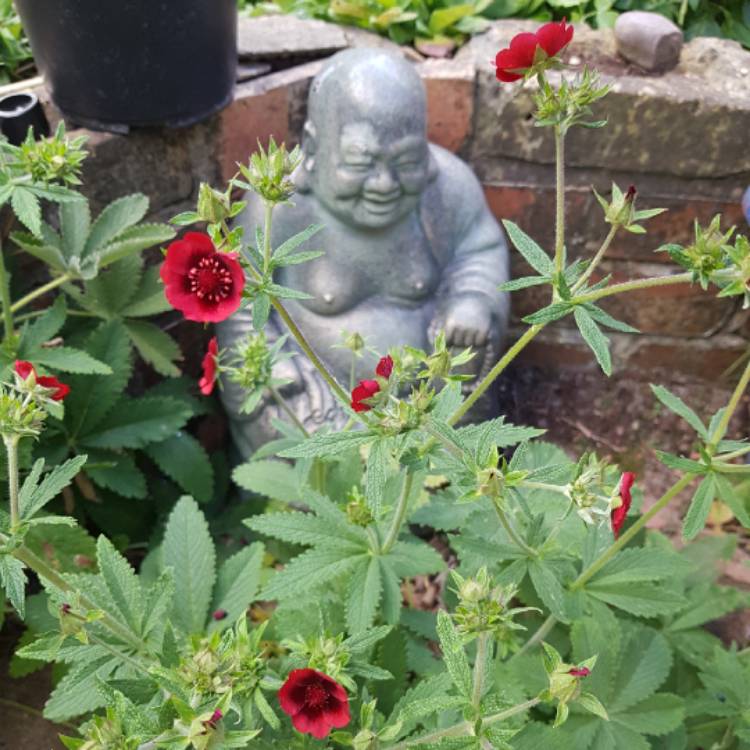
[
  {"x": 512, "y": 63},
  {"x": 59, "y": 390},
  {"x": 315, "y": 701},
  {"x": 216, "y": 717},
  {"x": 65, "y": 608},
  {"x": 205, "y": 285},
  {"x": 366, "y": 389},
  {"x": 619, "y": 514},
  {"x": 385, "y": 367},
  {"x": 207, "y": 382},
  {"x": 580, "y": 671},
  {"x": 219, "y": 614}
]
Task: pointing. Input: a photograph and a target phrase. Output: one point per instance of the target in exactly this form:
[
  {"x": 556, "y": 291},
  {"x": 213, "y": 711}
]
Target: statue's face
[{"x": 371, "y": 177}]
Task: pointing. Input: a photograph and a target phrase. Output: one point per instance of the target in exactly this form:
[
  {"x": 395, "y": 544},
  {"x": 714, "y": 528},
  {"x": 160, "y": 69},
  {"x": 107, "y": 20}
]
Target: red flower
[
  {"x": 513, "y": 62},
  {"x": 580, "y": 671},
  {"x": 59, "y": 390},
  {"x": 216, "y": 717},
  {"x": 619, "y": 514},
  {"x": 315, "y": 701},
  {"x": 385, "y": 367},
  {"x": 366, "y": 389},
  {"x": 207, "y": 382},
  {"x": 205, "y": 285},
  {"x": 219, "y": 614}
]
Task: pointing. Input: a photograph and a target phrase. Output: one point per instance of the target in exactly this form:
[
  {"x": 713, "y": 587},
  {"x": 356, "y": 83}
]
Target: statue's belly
[{"x": 382, "y": 323}]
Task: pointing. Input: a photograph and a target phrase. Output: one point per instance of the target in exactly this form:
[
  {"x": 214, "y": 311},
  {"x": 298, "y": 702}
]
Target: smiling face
[
  {"x": 372, "y": 178},
  {"x": 367, "y": 138}
]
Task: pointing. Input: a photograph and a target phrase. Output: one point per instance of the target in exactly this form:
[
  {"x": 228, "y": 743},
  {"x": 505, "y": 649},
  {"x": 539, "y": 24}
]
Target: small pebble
[{"x": 649, "y": 40}]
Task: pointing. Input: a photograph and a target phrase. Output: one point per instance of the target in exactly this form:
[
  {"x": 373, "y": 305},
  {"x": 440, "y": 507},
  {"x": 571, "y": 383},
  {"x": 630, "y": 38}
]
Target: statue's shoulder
[{"x": 454, "y": 181}]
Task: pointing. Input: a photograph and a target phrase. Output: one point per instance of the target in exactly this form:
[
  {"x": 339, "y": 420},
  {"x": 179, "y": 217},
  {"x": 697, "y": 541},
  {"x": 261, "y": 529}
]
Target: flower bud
[{"x": 213, "y": 205}]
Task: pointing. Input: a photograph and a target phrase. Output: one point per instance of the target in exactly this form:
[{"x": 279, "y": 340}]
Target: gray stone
[
  {"x": 649, "y": 40},
  {"x": 286, "y": 36},
  {"x": 411, "y": 246}
]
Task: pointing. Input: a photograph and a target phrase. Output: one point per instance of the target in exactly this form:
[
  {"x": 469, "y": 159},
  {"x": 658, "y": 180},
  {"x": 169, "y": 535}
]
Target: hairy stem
[
  {"x": 560, "y": 199},
  {"x": 596, "y": 259},
  {"x": 284, "y": 406},
  {"x": 631, "y": 286},
  {"x": 538, "y": 637},
  {"x": 11, "y": 450},
  {"x": 268, "y": 218},
  {"x": 512, "y": 533},
  {"x": 39, "y": 291},
  {"x": 479, "y": 669},
  {"x": 399, "y": 515},
  {"x": 5, "y": 295},
  {"x": 492, "y": 375}
]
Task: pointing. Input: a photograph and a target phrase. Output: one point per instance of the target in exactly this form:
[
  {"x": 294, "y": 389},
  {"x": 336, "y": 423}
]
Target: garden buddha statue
[{"x": 410, "y": 245}]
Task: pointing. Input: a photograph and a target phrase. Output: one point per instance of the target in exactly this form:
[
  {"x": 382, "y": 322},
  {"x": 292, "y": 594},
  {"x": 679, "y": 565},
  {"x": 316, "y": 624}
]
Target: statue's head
[{"x": 366, "y": 155}]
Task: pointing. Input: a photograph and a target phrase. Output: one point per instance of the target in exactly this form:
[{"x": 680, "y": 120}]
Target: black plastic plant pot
[
  {"x": 111, "y": 65},
  {"x": 18, "y": 113}
]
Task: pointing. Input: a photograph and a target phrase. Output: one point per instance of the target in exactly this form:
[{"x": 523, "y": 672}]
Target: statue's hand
[{"x": 466, "y": 321}]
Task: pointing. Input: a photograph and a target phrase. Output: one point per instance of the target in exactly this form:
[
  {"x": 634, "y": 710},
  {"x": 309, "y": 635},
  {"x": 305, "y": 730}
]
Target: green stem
[
  {"x": 39, "y": 291},
  {"x": 630, "y": 286},
  {"x": 43, "y": 570},
  {"x": 512, "y": 533},
  {"x": 11, "y": 449},
  {"x": 596, "y": 259},
  {"x": 399, "y": 514},
  {"x": 611, "y": 551},
  {"x": 303, "y": 343},
  {"x": 734, "y": 401},
  {"x": 560, "y": 199},
  {"x": 513, "y": 711},
  {"x": 492, "y": 375},
  {"x": 281, "y": 401},
  {"x": 5, "y": 295},
  {"x": 538, "y": 637},
  {"x": 544, "y": 486},
  {"x": 127, "y": 659},
  {"x": 268, "y": 218},
  {"x": 707, "y": 726},
  {"x": 479, "y": 665}
]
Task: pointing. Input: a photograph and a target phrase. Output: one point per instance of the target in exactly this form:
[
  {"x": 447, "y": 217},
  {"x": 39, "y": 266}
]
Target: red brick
[{"x": 450, "y": 102}]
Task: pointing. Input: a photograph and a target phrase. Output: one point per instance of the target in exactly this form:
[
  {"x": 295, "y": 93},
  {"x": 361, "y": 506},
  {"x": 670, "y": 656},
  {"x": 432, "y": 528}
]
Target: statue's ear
[{"x": 309, "y": 146}]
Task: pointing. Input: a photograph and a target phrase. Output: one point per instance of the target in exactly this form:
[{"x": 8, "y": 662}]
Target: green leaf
[
  {"x": 155, "y": 346},
  {"x": 149, "y": 298},
  {"x": 274, "y": 479},
  {"x": 409, "y": 559},
  {"x": 607, "y": 320},
  {"x": 114, "y": 219},
  {"x": 75, "y": 219},
  {"x": 330, "y": 444},
  {"x": 638, "y": 565},
  {"x": 78, "y": 691},
  {"x": 550, "y": 590},
  {"x": 639, "y": 599},
  {"x": 682, "y": 464},
  {"x": 189, "y": 551},
  {"x": 32, "y": 497},
  {"x": 26, "y": 207},
  {"x": 391, "y": 597},
  {"x": 40, "y": 249},
  {"x": 310, "y": 571},
  {"x": 365, "y": 586},
  {"x": 377, "y": 473},
  {"x": 183, "y": 459},
  {"x": 548, "y": 314},
  {"x": 237, "y": 585},
  {"x": 295, "y": 241},
  {"x": 67, "y": 359},
  {"x": 679, "y": 407},
  {"x": 44, "y": 328},
  {"x": 117, "y": 472},
  {"x": 122, "y": 583},
  {"x": 658, "y": 715},
  {"x": 596, "y": 340},
  {"x": 727, "y": 494},
  {"x": 454, "y": 654},
  {"x": 134, "y": 240},
  {"x": 133, "y": 423},
  {"x": 700, "y": 505},
  {"x": 534, "y": 255},
  {"x": 13, "y": 580},
  {"x": 522, "y": 283},
  {"x": 299, "y": 528}
]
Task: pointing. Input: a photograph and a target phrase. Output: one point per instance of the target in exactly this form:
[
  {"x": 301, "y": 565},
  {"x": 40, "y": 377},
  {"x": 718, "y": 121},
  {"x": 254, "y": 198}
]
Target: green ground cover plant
[{"x": 564, "y": 623}]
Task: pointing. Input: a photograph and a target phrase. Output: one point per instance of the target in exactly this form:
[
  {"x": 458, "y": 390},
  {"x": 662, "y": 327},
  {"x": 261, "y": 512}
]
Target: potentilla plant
[{"x": 565, "y": 624}]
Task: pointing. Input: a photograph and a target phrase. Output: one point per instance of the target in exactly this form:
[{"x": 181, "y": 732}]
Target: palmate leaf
[
  {"x": 274, "y": 479},
  {"x": 377, "y": 474},
  {"x": 700, "y": 505},
  {"x": 33, "y": 495},
  {"x": 185, "y": 461},
  {"x": 117, "y": 471},
  {"x": 122, "y": 583},
  {"x": 67, "y": 359},
  {"x": 454, "y": 654},
  {"x": 78, "y": 691},
  {"x": 679, "y": 407},
  {"x": 327, "y": 444},
  {"x": 597, "y": 341},
  {"x": 496, "y": 432},
  {"x": 296, "y": 528},
  {"x": 532, "y": 253},
  {"x": 114, "y": 219},
  {"x": 365, "y": 586},
  {"x": 149, "y": 298},
  {"x": 27, "y": 209},
  {"x": 13, "y": 580},
  {"x": 189, "y": 551}
]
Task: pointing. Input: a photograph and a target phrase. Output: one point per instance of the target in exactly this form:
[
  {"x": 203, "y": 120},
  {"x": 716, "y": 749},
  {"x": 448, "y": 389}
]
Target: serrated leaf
[
  {"x": 75, "y": 219},
  {"x": 548, "y": 314},
  {"x": 679, "y": 407},
  {"x": 33, "y": 498},
  {"x": 597, "y": 341},
  {"x": 13, "y": 581},
  {"x": 117, "y": 472},
  {"x": 522, "y": 283},
  {"x": 453, "y": 654},
  {"x": 237, "y": 585},
  {"x": 600, "y": 316},
  {"x": 40, "y": 249},
  {"x": 700, "y": 505},
  {"x": 274, "y": 479},
  {"x": 658, "y": 715},
  {"x": 296, "y": 240},
  {"x": 363, "y": 597},
  {"x": 311, "y": 570},
  {"x": 534, "y": 255},
  {"x": 183, "y": 459},
  {"x": 134, "y": 240},
  {"x": 115, "y": 218},
  {"x": 637, "y": 565},
  {"x": 549, "y": 589},
  {"x": 149, "y": 298},
  {"x": 391, "y": 597},
  {"x": 409, "y": 559},
  {"x": 297, "y": 528},
  {"x": 27, "y": 209},
  {"x": 121, "y": 582},
  {"x": 78, "y": 691},
  {"x": 45, "y": 327},
  {"x": 727, "y": 494},
  {"x": 155, "y": 346},
  {"x": 376, "y": 474},
  {"x": 67, "y": 359},
  {"x": 640, "y": 599},
  {"x": 329, "y": 444},
  {"x": 189, "y": 551},
  {"x": 681, "y": 464},
  {"x": 133, "y": 423}
]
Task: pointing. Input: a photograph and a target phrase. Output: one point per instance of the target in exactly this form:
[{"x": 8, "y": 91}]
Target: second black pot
[{"x": 111, "y": 64}]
